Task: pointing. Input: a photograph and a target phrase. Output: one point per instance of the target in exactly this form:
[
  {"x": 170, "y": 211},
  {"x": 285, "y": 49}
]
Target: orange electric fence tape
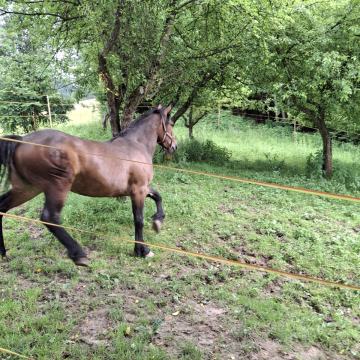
[
  {"x": 223, "y": 177},
  {"x": 9, "y": 352},
  {"x": 200, "y": 255},
  {"x": 266, "y": 184},
  {"x": 27, "y": 116}
]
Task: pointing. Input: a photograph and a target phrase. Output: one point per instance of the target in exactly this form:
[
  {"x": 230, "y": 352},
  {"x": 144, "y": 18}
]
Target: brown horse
[{"x": 119, "y": 167}]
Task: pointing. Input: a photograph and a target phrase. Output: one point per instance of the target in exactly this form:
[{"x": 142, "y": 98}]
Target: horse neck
[{"x": 146, "y": 133}]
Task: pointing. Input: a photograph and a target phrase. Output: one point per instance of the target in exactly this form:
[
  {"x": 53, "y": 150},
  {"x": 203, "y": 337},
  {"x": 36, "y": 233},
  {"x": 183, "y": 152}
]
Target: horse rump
[{"x": 7, "y": 151}]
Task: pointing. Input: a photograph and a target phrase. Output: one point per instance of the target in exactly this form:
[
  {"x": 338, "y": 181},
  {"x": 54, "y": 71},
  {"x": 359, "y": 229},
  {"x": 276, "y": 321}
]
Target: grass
[
  {"x": 258, "y": 153},
  {"x": 185, "y": 308}
]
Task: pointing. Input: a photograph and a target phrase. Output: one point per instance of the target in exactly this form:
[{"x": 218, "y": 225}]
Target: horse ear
[{"x": 168, "y": 110}]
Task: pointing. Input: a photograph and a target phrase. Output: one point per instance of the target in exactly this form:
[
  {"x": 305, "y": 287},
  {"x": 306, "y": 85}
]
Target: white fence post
[
  {"x": 219, "y": 116},
  {"x": 49, "y": 110}
]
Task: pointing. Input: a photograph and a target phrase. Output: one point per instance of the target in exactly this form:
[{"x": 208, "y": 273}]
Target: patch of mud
[
  {"x": 274, "y": 288},
  {"x": 272, "y": 350},
  {"x": 182, "y": 272},
  {"x": 131, "y": 308},
  {"x": 23, "y": 283},
  {"x": 269, "y": 350},
  {"x": 36, "y": 230},
  {"x": 14, "y": 289},
  {"x": 93, "y": 329},
  {"x": 200, "y": 324},
  {"x": 250, "y": 257},
  {"x": 226, "y": 209}
]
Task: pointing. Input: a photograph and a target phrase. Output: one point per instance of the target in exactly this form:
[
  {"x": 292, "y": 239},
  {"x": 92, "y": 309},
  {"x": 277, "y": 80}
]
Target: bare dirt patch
[
  {"x": 36, "y": 231},
  {"x": 200, "y": 324},
  {"x": 226, "y": 209},
  {"x": 131, "y": 308},
  {"x": 250, "y": 257},
  {"x": 270, "y": 349},
  {"x": 274, "y": 288},
  {"x": 93, "y": 329}
]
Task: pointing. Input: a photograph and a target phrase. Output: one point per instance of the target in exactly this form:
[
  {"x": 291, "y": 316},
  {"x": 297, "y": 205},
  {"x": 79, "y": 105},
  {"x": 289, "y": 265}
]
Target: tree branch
[
  {"x": 186, "y": 3},
  {"x": 116, "y": 30},
  {"x": 59, "y": 16},
  {"x": 197, "y": 119},
  {"x": 140, "y": 92}
]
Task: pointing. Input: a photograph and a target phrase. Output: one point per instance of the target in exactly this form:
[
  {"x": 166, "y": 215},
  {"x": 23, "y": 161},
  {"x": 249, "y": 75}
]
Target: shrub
[
  {"x": 345, "y": 175},
  {"x": 195, "y": 151},
  {"x": 313, "y": 167}
]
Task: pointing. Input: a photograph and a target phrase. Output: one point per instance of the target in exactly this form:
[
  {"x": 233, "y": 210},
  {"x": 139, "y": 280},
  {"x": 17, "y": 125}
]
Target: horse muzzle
[{"x": 172, "y": 148}]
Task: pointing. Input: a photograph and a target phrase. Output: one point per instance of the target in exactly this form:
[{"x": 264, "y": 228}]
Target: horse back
[{"x": 86, "y": 167}]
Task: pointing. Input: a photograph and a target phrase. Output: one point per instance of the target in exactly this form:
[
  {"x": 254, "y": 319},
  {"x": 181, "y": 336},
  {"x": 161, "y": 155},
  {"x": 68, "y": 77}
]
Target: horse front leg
[
  {"x": 159, "y": 216},
  {"x": 140, "y": 249}
]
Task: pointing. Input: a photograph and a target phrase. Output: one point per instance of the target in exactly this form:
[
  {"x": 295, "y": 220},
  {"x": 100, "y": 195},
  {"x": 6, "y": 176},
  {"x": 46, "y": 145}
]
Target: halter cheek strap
[{"x": 166, "y": 134}]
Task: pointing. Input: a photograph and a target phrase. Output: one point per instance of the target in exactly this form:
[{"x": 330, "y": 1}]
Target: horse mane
[{"x": 137, "y": 122}]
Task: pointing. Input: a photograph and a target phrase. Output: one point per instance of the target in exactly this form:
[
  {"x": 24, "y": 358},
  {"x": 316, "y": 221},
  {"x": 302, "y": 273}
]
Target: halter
[{"x": 166, "y": 134}]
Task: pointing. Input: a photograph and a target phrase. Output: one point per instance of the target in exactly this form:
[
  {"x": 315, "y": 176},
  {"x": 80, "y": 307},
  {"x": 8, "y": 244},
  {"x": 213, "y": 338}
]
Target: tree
[
  {"x": 167, "y": 50},
  {"x": 211, "y": 56},
  {"x": 25, "y": 83},
  {"x": 311, "y": 62},
  {"x": 124, "y": 43}
]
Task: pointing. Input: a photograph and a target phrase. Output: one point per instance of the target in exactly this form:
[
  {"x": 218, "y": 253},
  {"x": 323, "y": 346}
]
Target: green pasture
[{"x": 177, "y": 307}]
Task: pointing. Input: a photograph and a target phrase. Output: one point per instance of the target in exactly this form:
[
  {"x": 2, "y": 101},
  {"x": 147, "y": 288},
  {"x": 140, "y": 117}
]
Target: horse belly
[{"x": 98, "y": 185}]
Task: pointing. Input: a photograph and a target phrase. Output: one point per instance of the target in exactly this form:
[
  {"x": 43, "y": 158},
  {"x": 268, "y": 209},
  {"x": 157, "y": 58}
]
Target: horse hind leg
[
  {"x": 8, "y": 201},
  {"x": 159, "y": 216},
  {"x": 54, "y": 202}
]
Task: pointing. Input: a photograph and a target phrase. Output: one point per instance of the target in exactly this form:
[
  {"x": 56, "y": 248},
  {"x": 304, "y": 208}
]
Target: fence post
[
  {"x": 294, "y": 132},
  {"x": 49, "y": 110},
  {"x": 219, "y": 115}
]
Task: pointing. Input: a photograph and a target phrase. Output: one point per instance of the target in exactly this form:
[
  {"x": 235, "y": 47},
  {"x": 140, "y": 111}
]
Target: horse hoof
[
  {"x": 82, "y": 261},
  {"x": 150, "y": 254},
  {"x": 157, "y": 225},
  {"x": 5, "y": 258}
]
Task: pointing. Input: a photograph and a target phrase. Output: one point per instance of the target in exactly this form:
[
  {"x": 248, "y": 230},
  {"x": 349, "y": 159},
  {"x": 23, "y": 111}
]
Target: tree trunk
[
  {"x": 276, "y": 109},
  {"x": 192, "y": 120},
  {"x": 113, "y": 99},
  {"x": 131, "y": 105},
  {"x": 112, "y": 96},
  {"x": 191, "y": 124},
  {"x": 114, "y": 118},
  {"x": 191, "y": 136},
  {"x": 327, "y": 144},
  {"x": 327, "y": 155}
]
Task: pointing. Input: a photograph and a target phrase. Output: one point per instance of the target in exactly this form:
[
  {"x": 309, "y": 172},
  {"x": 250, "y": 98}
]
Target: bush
[
  {"x": 314, "y": 165},
  {"x": 195, "y": 151},
  {"x": 344, "y": 174}
]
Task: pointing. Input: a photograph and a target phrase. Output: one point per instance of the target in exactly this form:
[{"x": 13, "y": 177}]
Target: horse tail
[{"x": 7, "y": 151}]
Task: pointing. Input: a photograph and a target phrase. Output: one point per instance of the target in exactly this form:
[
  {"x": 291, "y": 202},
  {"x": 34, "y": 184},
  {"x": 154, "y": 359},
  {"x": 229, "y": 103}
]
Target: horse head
[{"x": 166, "y": 138}]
